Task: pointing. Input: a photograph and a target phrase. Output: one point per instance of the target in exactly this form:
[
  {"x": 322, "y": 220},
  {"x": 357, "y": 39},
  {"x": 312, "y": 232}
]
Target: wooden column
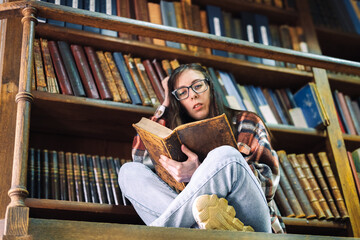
[{"x": 17, "y": 214}]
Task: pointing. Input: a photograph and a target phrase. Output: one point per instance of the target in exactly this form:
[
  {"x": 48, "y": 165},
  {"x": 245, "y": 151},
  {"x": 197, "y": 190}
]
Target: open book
[{"x": 200, "y": 137}]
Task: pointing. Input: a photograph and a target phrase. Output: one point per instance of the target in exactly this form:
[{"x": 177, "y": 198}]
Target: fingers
[{"x": 188, "y": 152}]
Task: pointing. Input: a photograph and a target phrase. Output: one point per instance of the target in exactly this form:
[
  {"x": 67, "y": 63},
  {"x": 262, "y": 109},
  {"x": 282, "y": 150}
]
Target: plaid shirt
[{"x": 254, "y": 144}]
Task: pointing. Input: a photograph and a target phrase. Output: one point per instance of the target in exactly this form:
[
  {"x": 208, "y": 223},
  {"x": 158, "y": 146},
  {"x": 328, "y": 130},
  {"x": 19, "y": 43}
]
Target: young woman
[{"x": 246, "y": 177}]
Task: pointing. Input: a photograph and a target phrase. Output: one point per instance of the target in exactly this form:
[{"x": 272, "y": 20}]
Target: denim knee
[
  {"x": 225, "y": 152},
  {"x": 129, "y": 173}
]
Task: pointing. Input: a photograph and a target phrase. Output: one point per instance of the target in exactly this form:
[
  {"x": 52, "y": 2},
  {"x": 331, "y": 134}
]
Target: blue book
[
  {"x": 290, "y": 96},
  {"x": 264, "y": 36},
  {"x": 93, "y": 6},
  {"x": 41, "y": 19},
  {"x": 277, "y": 106},
  {"x": 74, "y": 4},
  {"x": 169, "y": 19},
  {"x": 353, "y": 16},
  {"x": 340, "y": 111},
  {"x": 253, "y": 98},
  {"x": 231, "y": 89},
  {"x": 125, "y": 74},
  {"x": 216, "y": 26},
  {"x": 108, "y": 7},
  {"x": 267, "y": 113},
  {"x": 56, "y": 22},
  {"x": 250, "y": 33}
]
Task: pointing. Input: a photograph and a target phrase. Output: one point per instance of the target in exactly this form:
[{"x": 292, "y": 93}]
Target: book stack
[
  {"x": 77, "y": 177},
  {"x": 308, "y": 188}
]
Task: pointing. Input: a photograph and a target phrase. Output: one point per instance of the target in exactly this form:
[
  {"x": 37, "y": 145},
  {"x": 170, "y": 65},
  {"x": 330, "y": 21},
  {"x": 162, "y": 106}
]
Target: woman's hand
[
  {"x": 181, "y": 171},
  {"x": 164, "y": 83}
]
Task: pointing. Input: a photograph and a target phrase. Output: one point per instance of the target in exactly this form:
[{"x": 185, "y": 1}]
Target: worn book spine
[
  {"x": 70, "y": 176},
  {"x": 52, "y": 84},
  {"x": 92, "y": 183},
  {"x": 31, "y": 174},
  {"x": 38, "y": 175},
  {"x": 154, "y": 79},
  {"x": 62, "y": 176},
  {"x": 283, "y": 203},
  {"x": 60, "y": 70},
  {"x": 159, "y": 69},
  {"x": 39, "y": 68},
  {"x": 314, "y": 202},
  {"x": 77, "y": 178},
  {"x": 71, "y": 69},
  {"x": 85, "y": 72},
  {"x": 322, "y": 183},
  {"x": 45, "y": 172},
  {"x": 100, "y": 81},
  {"x": 117, "y": 78},
  {"x": 99, "y": 180},
  {"x": 114, "y": 181},
  {"x": 296, "y": 186},
  {"x": 84, "y": 177},
  {"x": 54, "y": 175},
  {"x": 107, "y": 181},
  {"x": 333, "y": 185},
  {"x": 314, "y": 185},
  {"x": 108, "y": 76}
]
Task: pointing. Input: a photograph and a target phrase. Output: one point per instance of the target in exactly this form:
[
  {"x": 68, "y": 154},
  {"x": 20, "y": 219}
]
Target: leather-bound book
[
  {"x": 323, "y": 185},
  {"x": 114, "y": 181},
  {"x": 117, "y": 78},
  {"x": 39, "y": 67},
  {"x": 54, "y": 175},
  {"x": 107, "y": 181},
  {"x": 31, "y": 184},
  {"x": 117, "y": 163},
  {"x": 290, "y": 194},
  {"x": 108, "y": 76},
  {"x": 296, "y": 186},
  {"x": 62, "y": 176},
  {"x": 154, "y": 79},
  {"x": 99, "y": 180},
  {"x": 166, "y": 67},
  {"x": 283, "y": 203},
  {"x": 314, "y": 202},
  {"x": 159, "y": 69},
  {"x": 339, "y": 200},
  {"x": 77, "y": 178},
  {"x": 60, "y": 70},
  {"x": 92, "y": 183},
  {"x": 314, "y": 185},
  {"x": 100, "y": 80},
  {"x": 45, "y": 175},
  {"x": 70, "y": 176},
  {"x": 142, "y": 14},
  {"x": 52, "y": 84},
  {"x": 38, "y": 174},
  {"x": 85, "y": 72},
  {"x": 71, "y": 69},
  {"x": 84, "y": 177}
]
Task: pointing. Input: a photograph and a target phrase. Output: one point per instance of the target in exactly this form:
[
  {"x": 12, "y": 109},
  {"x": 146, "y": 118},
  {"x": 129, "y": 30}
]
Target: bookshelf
[{"x": 77, "y": 128}]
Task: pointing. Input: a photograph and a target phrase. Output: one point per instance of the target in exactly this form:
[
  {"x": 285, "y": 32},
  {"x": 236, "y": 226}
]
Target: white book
[
  {"x": 268, "y": 114},
  {"x": 297, "y": 116}
]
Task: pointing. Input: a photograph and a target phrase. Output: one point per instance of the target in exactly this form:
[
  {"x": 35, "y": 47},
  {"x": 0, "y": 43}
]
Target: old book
[
  {"x": 54, "y": 175},
  {"x": 45, "y": 175},
  {"x": 159, "y": 69},
  {"x": 346, "y": 113},
  {"x": 84, "y": 177},
  {"x": 166, "y": 66},
  {"x": 31, "y": 183},
  {"x": 354, "y": 173},
  {"x": 62, "y": 176},
  {"x": 77, "y": 178},
  {"x": 323, "y": 185},
  {"x": 114, "y": 181},
  {"x": 100, "y": 80},
  {"x": 99, "y": 179},
  {"x": 107, "y": 181},
  {"x": 38, "y": 175},
  {"x": 155, "y": 17},
  {"x": 108, "y": 76},
  {"x": 196, "y": 24},
  {"x": 154, "y": 79},
  {"x": 71, "y": 69},
  {"x": 117, "y": 163},
  {"x": 186, "y": 11},
  {"x": 117, "y": 78},
  {"x": 92, "y": 182},
  {"x": 70, "y": 176},
  {"x": 124, "y": 10},
  {"x": 283, "y": 203},
  {"x": 39, "y": 67},
  {"x": 199, "y": 136},
  {"x": 84, "y": 71},
  {"x": 295, "y": 184},
  {"x": 340, "y": 112},
  {"x": 142, "y": 14},
  {"x": 179, "y": 20},
  {"x": 52, "y": 84},
  {"x": 60, "y": 70},
  {"x": 314, "y": 185},
  {"x": 314, "y": 202},
  {"x": 204, "y": 26},
  {"x": 339, "y": 200}
]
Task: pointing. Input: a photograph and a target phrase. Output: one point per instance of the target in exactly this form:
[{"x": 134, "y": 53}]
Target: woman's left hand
[{"x": 181, "y": 171}]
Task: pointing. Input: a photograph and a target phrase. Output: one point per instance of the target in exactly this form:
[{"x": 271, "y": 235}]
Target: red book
[
  {"x": 159, "y": 69},
  {"x": 60, "y": 70},
  {"x": 154, "y": 79},
  {"x": 85, "y": 72},
  {"x": 346, "y": 112},
  {"x": 100, "y": 80}
]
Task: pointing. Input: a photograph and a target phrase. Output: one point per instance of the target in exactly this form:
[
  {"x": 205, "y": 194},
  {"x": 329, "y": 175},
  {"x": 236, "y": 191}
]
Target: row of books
[
  {"x": 212, "y": 19},
  {"x": 308, "y": 188},
  {"x": 74, "y": 177},
  {"x": 342, "y": 15},
  {"x": 354, "y": 161},
  {"x": 286, "y": 4}
]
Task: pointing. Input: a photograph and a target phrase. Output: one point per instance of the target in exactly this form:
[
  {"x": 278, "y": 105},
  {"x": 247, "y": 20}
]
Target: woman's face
[{"x": 197, "y": 104}]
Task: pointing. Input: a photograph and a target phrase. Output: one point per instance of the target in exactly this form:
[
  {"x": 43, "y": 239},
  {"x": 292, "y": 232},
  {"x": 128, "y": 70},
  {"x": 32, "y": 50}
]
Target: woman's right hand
[{"x": 164, "y": 83}]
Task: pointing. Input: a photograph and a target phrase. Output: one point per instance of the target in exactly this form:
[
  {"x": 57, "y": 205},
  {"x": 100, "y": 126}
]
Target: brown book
[
  {"x": 314, "y": 185},
  {"x": 159, "y": 69},
  {"x": 186, "y": 9},
  {"x": 70, "y": 176},
  {"x": 39, "y": 67},
  {"x": 77, "y": 178},
  {"x": 296, "y": 186},
  {"x": 84, "y": 177},
  {"x": 100, "y": 80},
  {"x": 117, "y": 78},
  {"x": 323, "y": 185},
  {"x": 283, "y": 203},
  {"x": 54, "y": 175},
  {"x": 290, "y": 194},
  {"x": 114, "y": 181},
  {"x": 45, "y": 175},
  {"x": 60, "y": 70},
  {"x": 295, "y": 44},
  {"x": 108, "y": 76},
  {"x": 204, "y": 26},
  {"x": 166, "y": 66},
  {"x": 123, "y": 9},
  {"x": 196, "y": 24},
  {"x": 154, "y": 79},
  {"x": 179, "y": 20},
  {"x": 314, "y": 202},
  {"x": 99, "y": 179},
  {"x": 339, "y": 200},
  {"x": 62, "y": 176},
  {"x": 107, "y": 181},
  {"x": 354, "y": 172},
  {"x": 199, "y": 136},
  {"x": 52, "y": 84},
  {"x": 146, "y": 81},
  {"x": 92, "y": 182},
  {"x": 142, "y": 14},
  {"x": 155, "y": 17},
  {"x": 84, "y": 71},
  {"x": 137, "y": 80}
]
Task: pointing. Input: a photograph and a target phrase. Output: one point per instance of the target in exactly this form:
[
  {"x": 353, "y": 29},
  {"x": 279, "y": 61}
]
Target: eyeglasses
[{"x": 199, "y": 86}]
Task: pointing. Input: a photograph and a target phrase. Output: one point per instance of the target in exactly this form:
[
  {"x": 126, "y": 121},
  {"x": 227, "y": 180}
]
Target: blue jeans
[{"x": 224, "y": 172}]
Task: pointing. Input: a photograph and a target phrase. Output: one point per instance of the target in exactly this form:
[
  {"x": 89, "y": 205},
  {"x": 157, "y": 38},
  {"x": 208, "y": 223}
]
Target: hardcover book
[{"x": 199, "y": 136}]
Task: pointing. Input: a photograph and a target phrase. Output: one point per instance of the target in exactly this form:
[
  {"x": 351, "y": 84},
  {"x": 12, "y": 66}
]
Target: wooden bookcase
[{"x": 53, "y": 121}]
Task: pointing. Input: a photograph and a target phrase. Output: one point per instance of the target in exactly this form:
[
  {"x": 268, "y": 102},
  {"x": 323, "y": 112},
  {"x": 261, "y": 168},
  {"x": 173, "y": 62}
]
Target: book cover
[
  {"x": 54, "y": 175},
  {"x": 39, "y": 67},
  {"x": 276, "y": 40},
  {"x": 70, "y": 176},
  {"x": 199, "y": 136},
  {"x": 264, "y": 107},
  {"x": 108, "y": 7},
  {"x": 154, "y": 79},
  {"x": 92, "y": 182},
  {"x": 286, "y": 41},
  {"x": 62, "y": 176},
  {"x": 216, "y": 26},
  {"x": 45, "y": 175},
  {"x": 107, "y": 181},
  {"x": 52, "y": 84},
  {"x": 84, "y": 177}
]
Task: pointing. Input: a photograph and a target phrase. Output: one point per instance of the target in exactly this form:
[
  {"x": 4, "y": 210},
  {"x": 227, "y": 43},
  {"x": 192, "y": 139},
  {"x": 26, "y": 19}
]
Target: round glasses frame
[{"x": 191, "y": 86}]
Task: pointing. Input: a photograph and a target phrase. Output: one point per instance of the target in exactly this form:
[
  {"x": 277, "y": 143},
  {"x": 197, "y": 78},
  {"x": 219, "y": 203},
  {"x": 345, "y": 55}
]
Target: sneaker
[{"x": 210, "y": 212}]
